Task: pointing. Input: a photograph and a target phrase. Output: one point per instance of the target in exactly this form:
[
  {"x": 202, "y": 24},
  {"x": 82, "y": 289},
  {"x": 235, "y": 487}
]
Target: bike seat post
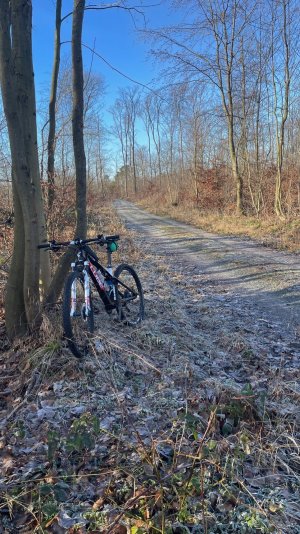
[{"x": 109, "y": 264}]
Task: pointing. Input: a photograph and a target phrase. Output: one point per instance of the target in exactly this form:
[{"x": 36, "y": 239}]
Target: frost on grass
[{"x": 188, "y": 424}]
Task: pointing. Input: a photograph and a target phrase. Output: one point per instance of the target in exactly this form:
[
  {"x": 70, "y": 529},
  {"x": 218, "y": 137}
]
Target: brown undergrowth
[{"x": 168, "y": 428}]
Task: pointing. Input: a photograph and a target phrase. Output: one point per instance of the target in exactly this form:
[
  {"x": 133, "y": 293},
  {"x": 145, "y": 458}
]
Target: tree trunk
[
  {"x": 25, "y": 94},
  {"x": 281, "y": 108},
  {"x": 235, "y": 170},
  {"x": 18, "y": 95},
  {"x": 77, "y": 119},
  {"x": 15, "y": 315},
  {"x": 133, "y": 162},
  {"x": 278, "y": 181},
  {"x": 79, "y": 153},
  {"x": 52, "y": 107}
]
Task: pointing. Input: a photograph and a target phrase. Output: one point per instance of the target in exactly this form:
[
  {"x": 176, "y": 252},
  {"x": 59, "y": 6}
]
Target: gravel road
[{"x": 250, "y": 275}]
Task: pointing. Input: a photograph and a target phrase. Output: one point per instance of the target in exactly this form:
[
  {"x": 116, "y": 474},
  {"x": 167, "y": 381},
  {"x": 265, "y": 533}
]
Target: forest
[{"x": 160, "y": 396}]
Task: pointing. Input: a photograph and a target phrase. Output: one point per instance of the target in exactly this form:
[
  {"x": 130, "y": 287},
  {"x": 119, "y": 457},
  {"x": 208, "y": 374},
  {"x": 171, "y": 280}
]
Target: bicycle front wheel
[
  {"x": 78, "y": 321},
  {"x": 130, "y": 298}
]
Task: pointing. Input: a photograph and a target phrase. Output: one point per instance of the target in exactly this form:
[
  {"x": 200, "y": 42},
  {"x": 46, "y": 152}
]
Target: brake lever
[{"x": 53, "y": 246}]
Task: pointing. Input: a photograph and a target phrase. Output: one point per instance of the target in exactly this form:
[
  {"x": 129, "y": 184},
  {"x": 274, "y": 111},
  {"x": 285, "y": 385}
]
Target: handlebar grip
[{"x": 46, "y": 245}]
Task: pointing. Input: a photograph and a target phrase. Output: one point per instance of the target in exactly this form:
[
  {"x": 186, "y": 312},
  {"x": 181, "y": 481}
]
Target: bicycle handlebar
[
  {"x": 54, "y": 245},
  {"x": 100, "y": 239}
]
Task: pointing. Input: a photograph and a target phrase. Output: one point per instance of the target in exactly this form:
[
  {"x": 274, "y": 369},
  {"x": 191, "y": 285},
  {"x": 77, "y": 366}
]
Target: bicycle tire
[
  {"x": 131, "y": 312},
  {"x": 77, "y": 329}
]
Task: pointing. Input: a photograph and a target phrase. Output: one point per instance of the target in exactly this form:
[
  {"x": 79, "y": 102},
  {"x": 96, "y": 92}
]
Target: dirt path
[{"x": 251, "y": 276}]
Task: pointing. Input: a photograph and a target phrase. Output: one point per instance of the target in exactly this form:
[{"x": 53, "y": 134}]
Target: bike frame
[{"x": 91, "y": 266}]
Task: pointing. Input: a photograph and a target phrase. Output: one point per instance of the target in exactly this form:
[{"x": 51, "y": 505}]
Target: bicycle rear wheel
[
  {"x": 130, "y": 297},
  {"x": 77, "y": 321}
]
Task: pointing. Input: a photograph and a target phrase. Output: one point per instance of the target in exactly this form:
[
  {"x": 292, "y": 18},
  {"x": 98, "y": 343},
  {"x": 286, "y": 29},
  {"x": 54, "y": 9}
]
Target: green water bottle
[{"x": 113, "y": 246}]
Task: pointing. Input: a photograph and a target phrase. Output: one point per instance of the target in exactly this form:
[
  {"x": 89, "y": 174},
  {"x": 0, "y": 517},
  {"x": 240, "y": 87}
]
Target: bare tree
[
  {"x": 226, "y": 26},
  {"x": 125, "y": 112},
  {"x": 221, "y": 24},
  {"x": 52, "y": 106},
  {"x": 281, "y": 89},
  {"x": 130, "y": 100},
  {"x": 121, "y": 131}
]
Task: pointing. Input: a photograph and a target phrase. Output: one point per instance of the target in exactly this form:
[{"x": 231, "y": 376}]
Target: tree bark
[
  {"x": 25, "y": 94},
  {"x": 15, "y": 315},
  {"x": 77, "y": 119},
  {"x": 18, "y": 95},
  {"x": 52, "y": 107},
  {"x": 281, "y": 109},
  {"x": 79, "y": 152}
]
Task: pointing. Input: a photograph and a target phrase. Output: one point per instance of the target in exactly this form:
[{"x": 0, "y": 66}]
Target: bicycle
[{"x": 120, "y": 291}]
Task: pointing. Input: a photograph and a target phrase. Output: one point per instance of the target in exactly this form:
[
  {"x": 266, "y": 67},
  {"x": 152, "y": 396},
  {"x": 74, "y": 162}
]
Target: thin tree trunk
[
  {"x": 280, "y": 125},
  {"x": 77, "y": 119},
  {"x": 79, "y": 153},
  {"x": 225, "y": 52},
  {"x": 133, "y": 161},
  {"x": 235, "y": 171},
  {"x": 52, "y": 107}
]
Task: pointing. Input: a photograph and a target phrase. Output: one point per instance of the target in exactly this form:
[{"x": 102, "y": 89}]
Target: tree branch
[{"x": 109, "y": 6}]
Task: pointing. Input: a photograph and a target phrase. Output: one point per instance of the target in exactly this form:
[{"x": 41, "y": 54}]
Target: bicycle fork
[{"x": 87, "y": 293}]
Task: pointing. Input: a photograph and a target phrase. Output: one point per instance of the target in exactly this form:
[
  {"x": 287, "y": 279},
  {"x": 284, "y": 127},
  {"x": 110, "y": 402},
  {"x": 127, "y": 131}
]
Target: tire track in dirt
[{"x": 257, "y": 278}]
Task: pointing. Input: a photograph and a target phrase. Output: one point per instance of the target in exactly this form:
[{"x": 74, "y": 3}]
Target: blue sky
[{"x": 112, "y": 32}]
